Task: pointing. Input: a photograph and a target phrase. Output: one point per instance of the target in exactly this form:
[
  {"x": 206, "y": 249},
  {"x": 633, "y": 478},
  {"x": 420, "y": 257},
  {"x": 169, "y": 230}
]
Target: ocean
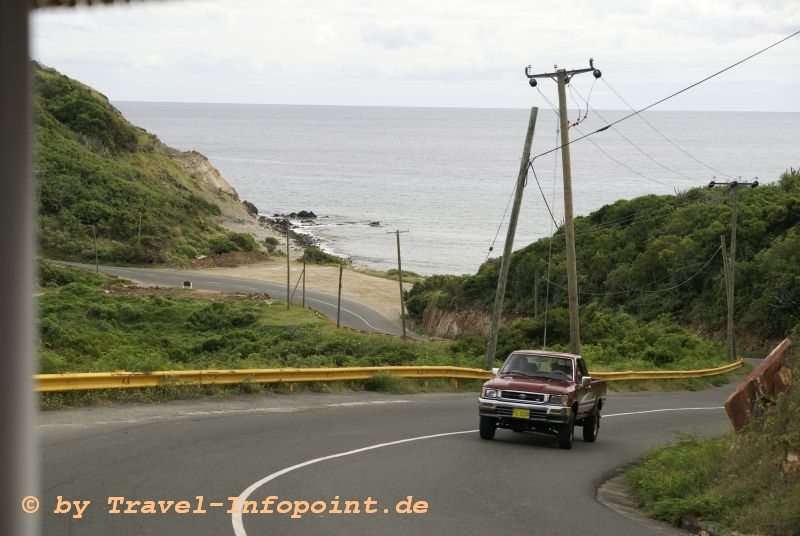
[{"x": 445, "y": 176}]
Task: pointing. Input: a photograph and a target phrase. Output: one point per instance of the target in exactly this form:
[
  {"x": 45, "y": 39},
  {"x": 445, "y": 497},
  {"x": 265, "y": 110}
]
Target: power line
[
  {"x": 500, "y": 226},
  {"x": 599, "y": 148},
  {"x": 546, "y": 204},
  {"x": 681, "y": 149},
  {"x": 642, "y": 151},
  {"x": 687, "y": 88}
]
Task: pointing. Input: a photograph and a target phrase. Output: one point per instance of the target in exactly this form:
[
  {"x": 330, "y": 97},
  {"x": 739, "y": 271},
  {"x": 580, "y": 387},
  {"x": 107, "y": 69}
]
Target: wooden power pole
[
  {"x": 563, "y": 77},
  {"x": 569, "y": 227},
  {"x": 497, "y": 312},
  {"x": 400, "y": 279},
  {"x": 729, "y": 262}
]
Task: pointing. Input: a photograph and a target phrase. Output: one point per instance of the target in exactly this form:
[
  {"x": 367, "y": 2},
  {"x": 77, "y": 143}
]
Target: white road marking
[
  {"x": 236, "y": 519},
  {"x": 351, "y": 312},
  {"x": 370, "y": 403},
  {"x": 659, "y": 411}
]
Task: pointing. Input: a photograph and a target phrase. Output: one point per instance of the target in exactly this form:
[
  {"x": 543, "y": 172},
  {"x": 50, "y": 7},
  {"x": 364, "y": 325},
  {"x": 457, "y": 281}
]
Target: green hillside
[
  {"x": 98, "y": 175},
  {"x": 655, "y": 258}
]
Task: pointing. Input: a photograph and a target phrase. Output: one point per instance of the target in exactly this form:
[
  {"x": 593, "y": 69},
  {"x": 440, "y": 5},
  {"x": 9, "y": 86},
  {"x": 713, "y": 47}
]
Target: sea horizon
[{"x": 425, "y": 107}]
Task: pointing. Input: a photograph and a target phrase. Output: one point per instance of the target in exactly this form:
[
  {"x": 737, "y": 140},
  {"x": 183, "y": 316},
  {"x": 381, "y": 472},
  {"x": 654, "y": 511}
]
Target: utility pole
[
  {"x": 563, "y": 77},
  {"x": 505, "y": 262},
  {"x": 400, "y": 278},
  {"x": 730, "y": 265},
  {"x": 339, "y": 299}
]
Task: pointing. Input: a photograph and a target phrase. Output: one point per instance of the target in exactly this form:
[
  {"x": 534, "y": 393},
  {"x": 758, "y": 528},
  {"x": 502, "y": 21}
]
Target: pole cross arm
[
  {"x": 567, "y": 73},
  {"x": 734, "y": 184}
]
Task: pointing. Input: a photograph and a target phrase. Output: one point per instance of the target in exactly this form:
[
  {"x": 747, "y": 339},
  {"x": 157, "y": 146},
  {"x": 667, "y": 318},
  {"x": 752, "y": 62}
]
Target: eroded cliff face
[
  {"x": 210, "y": 185},
  {"x": 448, "y": 324}
]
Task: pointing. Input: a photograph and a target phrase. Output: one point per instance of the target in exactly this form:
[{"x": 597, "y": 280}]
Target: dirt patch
[
  {"x": 380, "y": 294},
  {"x": 171, "y": 292},
  {"x": 228, "y": 260}
]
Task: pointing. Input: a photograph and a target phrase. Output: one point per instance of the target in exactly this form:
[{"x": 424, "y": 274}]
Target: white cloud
[
  {"x": 415, "y": 52},
  {"x": 395, "y": 36}
]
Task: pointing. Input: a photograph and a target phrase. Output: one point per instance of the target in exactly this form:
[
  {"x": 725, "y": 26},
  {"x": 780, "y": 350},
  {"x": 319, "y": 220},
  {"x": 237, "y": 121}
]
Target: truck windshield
[{"x": 551, "y": 367}]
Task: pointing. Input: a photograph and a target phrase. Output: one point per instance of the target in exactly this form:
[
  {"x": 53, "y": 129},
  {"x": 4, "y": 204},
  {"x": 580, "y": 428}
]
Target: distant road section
[{"x": 353, "y": 315}]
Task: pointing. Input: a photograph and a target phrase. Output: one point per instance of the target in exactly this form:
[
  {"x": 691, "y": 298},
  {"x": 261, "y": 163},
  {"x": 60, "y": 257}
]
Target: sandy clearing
[{"x": 380, "y": 294}]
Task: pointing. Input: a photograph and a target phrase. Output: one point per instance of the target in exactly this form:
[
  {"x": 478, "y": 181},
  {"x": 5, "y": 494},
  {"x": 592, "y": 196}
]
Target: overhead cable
[{"x": 668, "y": 97}]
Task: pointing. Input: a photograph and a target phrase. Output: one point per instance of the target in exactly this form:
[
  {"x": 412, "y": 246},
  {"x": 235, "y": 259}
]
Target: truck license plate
[{"x": 519, "y": 413}]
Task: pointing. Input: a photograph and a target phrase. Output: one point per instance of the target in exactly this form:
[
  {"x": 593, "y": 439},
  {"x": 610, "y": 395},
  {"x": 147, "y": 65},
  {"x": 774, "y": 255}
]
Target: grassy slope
[
  {"x": 744, "y": 482},
  {"x": 97, "y": 173}
]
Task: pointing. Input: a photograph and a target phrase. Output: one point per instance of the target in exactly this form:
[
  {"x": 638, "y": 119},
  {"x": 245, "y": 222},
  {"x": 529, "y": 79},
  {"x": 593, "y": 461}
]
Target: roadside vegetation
[
  {"x": 315, "y": 255},
  {"x": 410, "y": 278},
  {"x": 747, "y": 482}
]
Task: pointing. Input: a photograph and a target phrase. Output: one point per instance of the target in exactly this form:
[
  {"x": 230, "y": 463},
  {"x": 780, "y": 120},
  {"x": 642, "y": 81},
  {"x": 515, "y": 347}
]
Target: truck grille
[{"x": 534, "y": 398}]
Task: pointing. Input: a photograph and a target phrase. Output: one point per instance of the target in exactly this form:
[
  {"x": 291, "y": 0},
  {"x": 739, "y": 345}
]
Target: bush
[
  {"x": 271, "y": 243},
  {"x": 244, "y": 241},
  {"x": 314, "y": 255}
]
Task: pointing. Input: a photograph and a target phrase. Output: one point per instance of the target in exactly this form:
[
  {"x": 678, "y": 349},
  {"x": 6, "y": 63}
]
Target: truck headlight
[
  {"x": 491, "y": 393},
  {"x": 557, "y": 399}
]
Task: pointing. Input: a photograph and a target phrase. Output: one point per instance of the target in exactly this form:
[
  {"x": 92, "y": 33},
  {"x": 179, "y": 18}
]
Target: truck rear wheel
[
  {"x": 487, "y": 427},
  {"x": 591, "y": 425}
]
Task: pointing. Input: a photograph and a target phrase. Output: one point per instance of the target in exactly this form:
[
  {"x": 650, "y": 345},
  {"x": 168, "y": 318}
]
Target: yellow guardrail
[
  {"x": 666, "y": 374},
  {"x": 122, "y": 379}
]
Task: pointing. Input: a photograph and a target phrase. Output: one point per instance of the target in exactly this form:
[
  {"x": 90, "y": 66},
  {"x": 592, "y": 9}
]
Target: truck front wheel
[
  {"x": 565, "y": 433},
  {"x": 487, "y": 427}
]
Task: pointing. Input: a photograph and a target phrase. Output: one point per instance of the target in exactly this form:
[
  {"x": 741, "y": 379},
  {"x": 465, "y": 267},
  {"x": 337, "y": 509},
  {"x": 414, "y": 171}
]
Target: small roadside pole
[
  {"x": 288, "y": 281},
  {"x": 96, "y": 260},
  {"x": 339, "y": 299},
  {"x": 304, "y": 280},
  {"x": 512, "y": 227},
  {"x": 400, "y": 279}
]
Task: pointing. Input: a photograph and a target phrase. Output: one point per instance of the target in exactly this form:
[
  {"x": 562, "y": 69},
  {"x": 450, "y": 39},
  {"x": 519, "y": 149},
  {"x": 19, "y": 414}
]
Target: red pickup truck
[{"x": 540, "y": 391}]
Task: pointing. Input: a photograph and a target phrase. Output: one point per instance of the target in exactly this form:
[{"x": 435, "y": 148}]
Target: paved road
[
  {"x": 516, "y": 484},
  {"x": 353, "y": 315}
]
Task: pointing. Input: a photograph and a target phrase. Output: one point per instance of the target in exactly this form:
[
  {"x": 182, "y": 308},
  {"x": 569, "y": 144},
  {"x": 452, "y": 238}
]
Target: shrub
[{"x": 314, "y": 255}]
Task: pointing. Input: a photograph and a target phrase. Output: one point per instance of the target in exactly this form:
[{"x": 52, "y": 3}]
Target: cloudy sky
[{"x": 460, "y": 53}]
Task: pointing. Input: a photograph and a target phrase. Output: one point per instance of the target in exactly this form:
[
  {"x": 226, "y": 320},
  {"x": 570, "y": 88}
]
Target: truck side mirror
[
  {"x": 495, "y": 370},
  {"x": 586, "y": 381}
]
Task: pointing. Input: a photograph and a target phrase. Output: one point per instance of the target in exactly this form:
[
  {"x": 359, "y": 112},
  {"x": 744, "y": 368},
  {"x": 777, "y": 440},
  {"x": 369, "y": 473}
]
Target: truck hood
[{"x": 531, "y": 385}]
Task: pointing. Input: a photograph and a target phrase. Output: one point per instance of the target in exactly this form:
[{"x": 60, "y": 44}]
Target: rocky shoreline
[
  {"x": 279, "y": 222},
  {"x": 270, "y": 231}
]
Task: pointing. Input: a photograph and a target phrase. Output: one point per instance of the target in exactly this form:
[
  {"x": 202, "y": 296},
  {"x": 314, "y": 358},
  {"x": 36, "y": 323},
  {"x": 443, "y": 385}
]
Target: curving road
[
  {"x": 353, "y": 314},
  {"x": 354, "y": 446}
]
